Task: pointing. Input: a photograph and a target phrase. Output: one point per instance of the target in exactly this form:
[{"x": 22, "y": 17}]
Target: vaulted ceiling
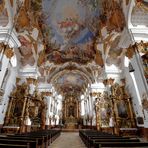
[
  {"x": 70, "y": 32},
  {"x": 69, "y": 42}
]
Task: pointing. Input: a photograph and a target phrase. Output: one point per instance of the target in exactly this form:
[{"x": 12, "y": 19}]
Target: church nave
[{"x": 68, "y": 140}]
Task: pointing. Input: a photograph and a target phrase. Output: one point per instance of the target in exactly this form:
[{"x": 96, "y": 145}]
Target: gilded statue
[
  {"x": 114, "y": 89},
  {"x": 114, "y": 15},
  {"x": 9, "y": 53},
  {"x": 145, "y": 101},
  {"x": 1, "y": 46},
  {"x": 23, "y": 19},
  {"x": 2, "y": 6},
  {"x": 43, "y": 113}
]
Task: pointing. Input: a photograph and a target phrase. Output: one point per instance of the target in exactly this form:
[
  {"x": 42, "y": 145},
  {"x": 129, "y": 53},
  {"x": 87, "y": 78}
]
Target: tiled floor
[{"x": 68, "y": 140}]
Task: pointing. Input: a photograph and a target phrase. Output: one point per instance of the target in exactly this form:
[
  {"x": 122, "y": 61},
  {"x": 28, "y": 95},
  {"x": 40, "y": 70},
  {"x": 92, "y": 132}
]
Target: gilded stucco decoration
[
  {"x": 111, "y": 23},
  {"x": 56, "y": 35},
  {"x": 2, "y": 5},
  {"x": 3, "y": 14},
  {"x": 26, "y": 51},
  {"x": 142, "y": 4},
  {"x": 9, "y": 53},
  {"x": 145, "y": 101}
]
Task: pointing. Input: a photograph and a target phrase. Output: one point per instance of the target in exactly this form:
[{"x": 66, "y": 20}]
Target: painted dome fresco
[
  {"x": 69, "y": 19},
  {"x": 70, "y": 29}
]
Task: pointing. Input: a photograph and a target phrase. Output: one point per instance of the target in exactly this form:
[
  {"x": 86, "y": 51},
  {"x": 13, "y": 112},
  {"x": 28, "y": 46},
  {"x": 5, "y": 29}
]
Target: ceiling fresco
[
  {"x": 70, "y": 41},
  {"x": 70, "y": 31},
  {"x": 70, "y": 82},
  {"x": 68, "y": 20},
  {"x": 70, "y": 38}
]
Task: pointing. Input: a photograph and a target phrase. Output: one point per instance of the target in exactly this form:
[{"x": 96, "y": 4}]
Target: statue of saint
[{"x": 71, "y": 111}]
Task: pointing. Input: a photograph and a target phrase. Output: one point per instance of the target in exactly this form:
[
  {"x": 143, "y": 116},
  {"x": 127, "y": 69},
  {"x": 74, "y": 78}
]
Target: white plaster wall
[
  {"x": 140, "y": 83},
  {"x": 5, "y": 62},
  {"x": 131, "y": 89},
  {"x": 9, "y": 87}
]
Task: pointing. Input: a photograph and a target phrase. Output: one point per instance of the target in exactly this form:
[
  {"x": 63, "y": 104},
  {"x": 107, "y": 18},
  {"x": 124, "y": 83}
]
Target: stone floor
[
  {"x": 68, "y": 140},
  {"x": 71, "y": 140}
]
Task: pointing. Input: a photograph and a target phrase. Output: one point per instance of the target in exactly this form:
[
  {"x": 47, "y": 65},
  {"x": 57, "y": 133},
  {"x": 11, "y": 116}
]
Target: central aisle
[{"x": 68, "y": 140}]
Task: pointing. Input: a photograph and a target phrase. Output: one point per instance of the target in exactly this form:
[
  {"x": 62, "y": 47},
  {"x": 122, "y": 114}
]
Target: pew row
[
  {"x": 38, "y": 139},
  {"x": 97, "y": 139}
]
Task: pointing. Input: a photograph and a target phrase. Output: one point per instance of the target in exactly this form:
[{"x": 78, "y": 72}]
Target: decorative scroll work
[
  {"x": 71, "y": 112},
  {"x": 103, "y": 110},
  {"x": 16, "y": 108},
  {"x": 3, "y": 14},
  {"x": 22, "y": 106},
  {"x": 113, "y": 16},
  {"x": 114, "y": 110},
  {"x": 145, "y": 102}
]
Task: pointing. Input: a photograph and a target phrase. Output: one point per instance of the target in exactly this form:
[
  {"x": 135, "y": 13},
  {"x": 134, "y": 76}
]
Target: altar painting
[{"x": 122, "y": 109}]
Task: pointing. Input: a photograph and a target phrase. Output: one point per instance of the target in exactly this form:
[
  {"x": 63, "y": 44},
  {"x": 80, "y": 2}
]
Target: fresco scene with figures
[{"x": 72, "y": 69}]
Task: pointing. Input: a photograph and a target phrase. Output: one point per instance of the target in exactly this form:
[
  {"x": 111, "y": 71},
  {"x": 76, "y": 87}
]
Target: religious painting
[
  {"x": 68, "y": 19},
  {"x": 68, "y": 34},
  {"x": 26, "y": 51},
  {"x": 104, "y": 117},
  {"x": 103, "y": 114},
  {"x": 122, "y": 109},
  {"x": 71, "y": 111},
  {"x": 76, "y": 53},
  {"x": 70, "y": 82},
  {"x": 18, "y": 108}
]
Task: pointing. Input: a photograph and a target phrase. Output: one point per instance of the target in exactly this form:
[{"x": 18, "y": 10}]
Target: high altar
[{"x": 71, "y": 112}]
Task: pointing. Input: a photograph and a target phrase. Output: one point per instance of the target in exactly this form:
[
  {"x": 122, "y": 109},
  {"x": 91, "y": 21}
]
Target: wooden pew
[
  {"x": 93, "y": 142},
  {"x": 48, "y": 135},
  {"x": 14, "y": 146},
  {"x": 44, "y": 137},
  {"x": 6, "y": 140},
  {"x": 34, "y": 141},
  {"x": 120, "y": 144},
  {"x": 39, "y": 139},
  {"x": 95, "y": 139}
]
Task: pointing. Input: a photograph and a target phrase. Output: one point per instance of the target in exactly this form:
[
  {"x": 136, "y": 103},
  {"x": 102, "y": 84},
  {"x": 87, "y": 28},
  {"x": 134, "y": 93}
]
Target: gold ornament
[{"x": 9, "y": 53}]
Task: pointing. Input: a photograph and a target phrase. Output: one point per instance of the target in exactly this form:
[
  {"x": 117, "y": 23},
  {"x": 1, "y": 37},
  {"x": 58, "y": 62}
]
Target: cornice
[{"x": 9, "y": 37}]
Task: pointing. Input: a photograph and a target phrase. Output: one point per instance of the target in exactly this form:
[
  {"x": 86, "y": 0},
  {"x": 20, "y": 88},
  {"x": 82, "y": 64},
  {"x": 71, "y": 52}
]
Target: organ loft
[{"x": 73, "y": 68}]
